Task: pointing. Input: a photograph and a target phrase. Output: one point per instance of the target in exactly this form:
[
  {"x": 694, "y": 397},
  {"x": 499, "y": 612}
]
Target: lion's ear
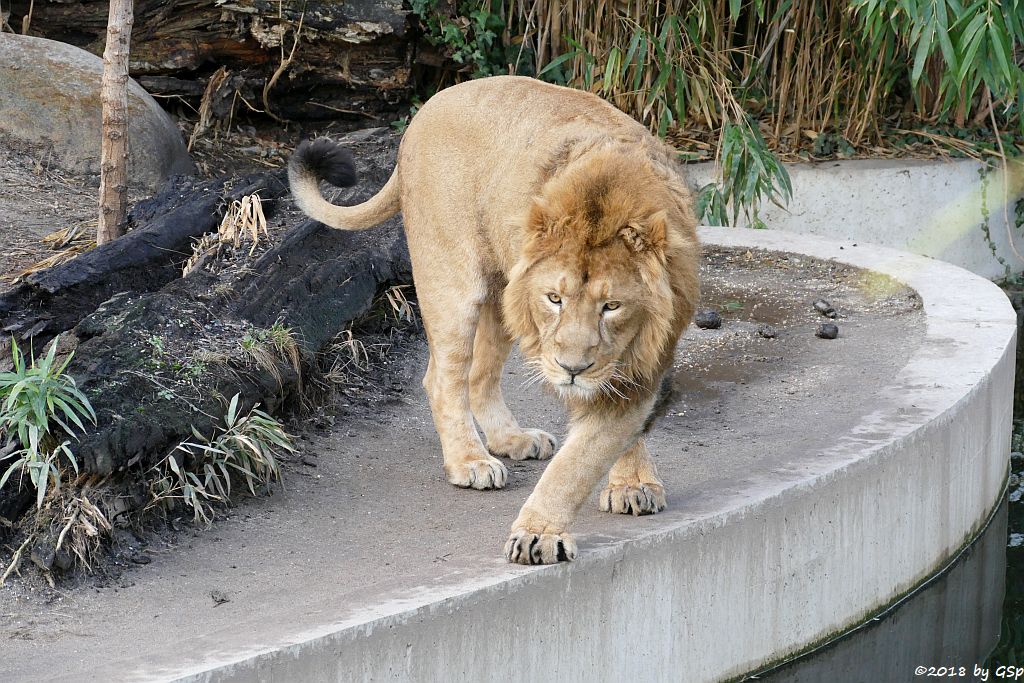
[
  {"x": 646, "y": 235},
  {"x": 538, "y": 217}
]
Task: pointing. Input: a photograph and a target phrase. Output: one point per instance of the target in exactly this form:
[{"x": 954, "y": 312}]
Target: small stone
[
  {"x": 708, "y": 319},
  {"x": 1014, "y": 481},
  {"x": 139, "y": 558},
  {"x": 767, "y": 331},
  {"x": 1016, "y": 455},
  {"x": 825, "y": 308},
  {"x": 43, "y": 556},
  {"x": 827, "y": 331}
]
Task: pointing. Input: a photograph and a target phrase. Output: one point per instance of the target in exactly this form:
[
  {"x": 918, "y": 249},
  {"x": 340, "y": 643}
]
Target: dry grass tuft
[
  {"x": 268, "y": 347},
  {"x": 243, "y": 219},
  {"x": 84, "y": 528},
  {"x": 400, "y": 305},
  {"x": 67, "y": 243}
]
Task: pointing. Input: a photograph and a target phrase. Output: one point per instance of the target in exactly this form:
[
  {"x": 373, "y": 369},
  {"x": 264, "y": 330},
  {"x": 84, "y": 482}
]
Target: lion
[{"x": 544, "y": 214}]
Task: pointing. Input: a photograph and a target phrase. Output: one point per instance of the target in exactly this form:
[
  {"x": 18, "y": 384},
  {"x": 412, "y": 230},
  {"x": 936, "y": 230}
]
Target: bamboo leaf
[
  {"x": 942, "y": 31},
  {"x": 921, "y": 56},
  {"x": 1001, "y": 48}
]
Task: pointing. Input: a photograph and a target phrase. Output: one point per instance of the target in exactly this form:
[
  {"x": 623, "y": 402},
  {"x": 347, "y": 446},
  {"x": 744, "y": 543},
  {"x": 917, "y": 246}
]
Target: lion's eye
[
  {"x": 555, "y": 299},
  {"x": 612, "y": 305}
]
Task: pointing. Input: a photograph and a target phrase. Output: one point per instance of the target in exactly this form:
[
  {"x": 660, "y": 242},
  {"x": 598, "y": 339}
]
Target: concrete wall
[
  {"x": 931, "y": 208},
  {"x": 776, "y": 566}
]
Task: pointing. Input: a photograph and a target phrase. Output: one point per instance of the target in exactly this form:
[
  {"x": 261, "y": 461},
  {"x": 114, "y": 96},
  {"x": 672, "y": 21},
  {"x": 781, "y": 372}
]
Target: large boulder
[{"x": 50, "y": 97}]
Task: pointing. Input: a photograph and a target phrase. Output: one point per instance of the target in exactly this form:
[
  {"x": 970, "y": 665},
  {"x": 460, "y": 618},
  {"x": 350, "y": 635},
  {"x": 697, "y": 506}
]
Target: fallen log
[
  {"x": 353, "y": 56},
  {"x": 54, "y": 300},
  {"x": 157, "y": 361}
]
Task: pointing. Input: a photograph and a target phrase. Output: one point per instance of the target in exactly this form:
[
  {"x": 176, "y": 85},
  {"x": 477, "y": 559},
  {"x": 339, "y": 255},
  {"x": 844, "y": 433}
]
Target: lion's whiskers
[
  {"x": 609, "y": 389},
  {"x": 536, "y": 372}
]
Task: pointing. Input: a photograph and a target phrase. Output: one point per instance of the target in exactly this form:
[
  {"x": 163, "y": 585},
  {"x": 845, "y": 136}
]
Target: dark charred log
[
  {"x": 151, "y": 255},
  {"x": 148, "y": 396}
]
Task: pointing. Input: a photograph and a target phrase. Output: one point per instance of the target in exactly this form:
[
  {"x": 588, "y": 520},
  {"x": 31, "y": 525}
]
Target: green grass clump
[
  {"x": 199, "y": 473},
  {"x": 41, "y": 404}
]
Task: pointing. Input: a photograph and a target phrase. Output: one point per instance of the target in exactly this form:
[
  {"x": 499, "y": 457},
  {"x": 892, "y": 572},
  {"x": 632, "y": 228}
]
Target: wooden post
[{"x": 114, "y": 141}]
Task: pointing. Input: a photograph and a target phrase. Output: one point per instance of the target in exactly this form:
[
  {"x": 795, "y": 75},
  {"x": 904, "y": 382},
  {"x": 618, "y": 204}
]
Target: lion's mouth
[
  {"x": 574, "y": 390},
  {"x": 576, "y": 386}
]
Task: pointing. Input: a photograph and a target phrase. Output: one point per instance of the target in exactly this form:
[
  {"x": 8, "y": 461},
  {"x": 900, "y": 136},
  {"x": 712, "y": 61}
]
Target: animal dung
[
  {"x": 708, "y": 319},
  {"x": 825, "y": 308},
  {"x": 827, "y": 331}
]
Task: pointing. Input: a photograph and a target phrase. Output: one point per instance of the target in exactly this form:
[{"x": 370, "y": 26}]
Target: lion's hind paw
[{"x": 638, "y": 499}]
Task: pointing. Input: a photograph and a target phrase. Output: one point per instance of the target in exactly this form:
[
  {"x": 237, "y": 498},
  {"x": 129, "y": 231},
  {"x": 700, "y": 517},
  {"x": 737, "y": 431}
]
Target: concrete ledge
[
  {"x": 766, "y": 569},
  {"x": 955, "y": 210}
]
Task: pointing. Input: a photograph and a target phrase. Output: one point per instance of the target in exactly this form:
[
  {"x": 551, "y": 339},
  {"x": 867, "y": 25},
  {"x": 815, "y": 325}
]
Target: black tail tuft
[{"x": 324, "y": 159}]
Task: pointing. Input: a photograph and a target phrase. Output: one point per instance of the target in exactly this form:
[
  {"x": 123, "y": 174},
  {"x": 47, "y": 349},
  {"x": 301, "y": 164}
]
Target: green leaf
[
  {"x": 969, "y": 43},
  {"x": 1002, "y": 50},
  {"x": 556, "y": 62},
  {"x": 921, "y": 56},
  {"x": 232, "y": 411},
  {"x": 734, "y": 9},
  {"x": 942, "y": 32},
  {"x": 18, "y": 464}
]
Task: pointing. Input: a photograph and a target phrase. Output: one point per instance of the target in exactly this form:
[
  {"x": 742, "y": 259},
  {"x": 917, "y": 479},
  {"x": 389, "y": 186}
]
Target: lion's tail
[{"x": 325, "y": 159}]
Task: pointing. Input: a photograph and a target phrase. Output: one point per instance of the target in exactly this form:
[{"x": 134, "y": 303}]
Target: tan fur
[{"x": 513, "y": 190}]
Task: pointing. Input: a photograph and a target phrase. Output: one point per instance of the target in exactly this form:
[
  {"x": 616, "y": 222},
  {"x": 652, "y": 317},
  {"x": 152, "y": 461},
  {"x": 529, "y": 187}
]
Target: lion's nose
[{"x": 574, "y": 370}]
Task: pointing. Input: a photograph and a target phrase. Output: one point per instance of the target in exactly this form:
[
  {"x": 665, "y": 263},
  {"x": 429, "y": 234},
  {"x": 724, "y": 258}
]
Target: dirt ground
[{"x": 37, "y": 199}]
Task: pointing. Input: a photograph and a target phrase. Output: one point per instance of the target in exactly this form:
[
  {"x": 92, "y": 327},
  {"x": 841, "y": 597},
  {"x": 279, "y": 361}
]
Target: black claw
[
  {"x": 563, "y": 556},
  {"x": 512, "y": 548},
  {"x": 533, "y": 544}
]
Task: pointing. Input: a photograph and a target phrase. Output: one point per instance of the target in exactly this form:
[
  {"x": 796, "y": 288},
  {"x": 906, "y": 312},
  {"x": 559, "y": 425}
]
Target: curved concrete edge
[{"x": 768, "y": 569}]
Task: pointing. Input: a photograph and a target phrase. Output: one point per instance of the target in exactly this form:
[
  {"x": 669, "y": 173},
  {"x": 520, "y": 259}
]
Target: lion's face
[
  {"x": 606, "y": 279},
  {"x": 585, "y": 321}
]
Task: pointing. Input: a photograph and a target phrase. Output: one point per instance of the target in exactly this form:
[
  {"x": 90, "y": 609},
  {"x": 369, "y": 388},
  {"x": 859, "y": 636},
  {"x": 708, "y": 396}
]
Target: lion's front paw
[
  {"x": 527, "y": 547},
  {"x": 477, "y": 473},
  {"x": 529, "y": 443},
  {"x": 634, "y": 499}
]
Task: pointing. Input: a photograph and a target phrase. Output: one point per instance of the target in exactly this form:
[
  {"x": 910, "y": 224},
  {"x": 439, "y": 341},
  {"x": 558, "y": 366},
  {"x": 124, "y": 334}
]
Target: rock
[
  {"x": 707, "y": 319},
  {"x": 827, "y": 331},
  {"x": 50, "y": 97},
  {"x": 43, "y": 556},
  {"x": 825, "y": 308},
  {"x": 767, "y": 331}
]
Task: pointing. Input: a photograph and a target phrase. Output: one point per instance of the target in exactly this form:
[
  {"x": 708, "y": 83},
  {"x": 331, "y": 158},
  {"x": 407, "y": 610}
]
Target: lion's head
[{"x": 607, "y": 278}]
